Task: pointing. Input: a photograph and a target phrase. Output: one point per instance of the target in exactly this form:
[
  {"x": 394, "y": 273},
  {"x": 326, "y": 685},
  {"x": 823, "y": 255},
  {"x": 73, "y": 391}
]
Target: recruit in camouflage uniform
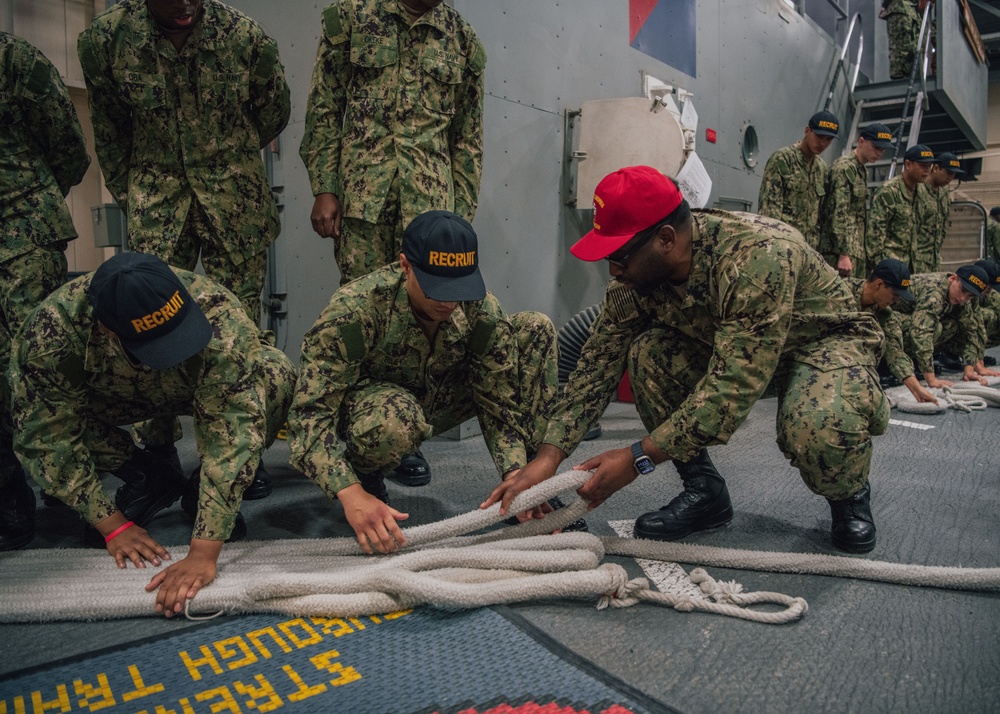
[
  {"x": 74, "y": 386},
  {"x": 989, "y": 316},
  {"x": 372, "y": 387},
  {"x": 759, "y": 304},
  {"x": 896, "y": 359},
  {"x": 394, "y": 124},
  {"x": 892, "y": 224},
  {"x": 933, "y": 322},
  {"x": 932, "y": 211},
  {"x": 845, "y": 210},
  {"x": 903, "y": 28},
  {"x": 179, "y": 135},
  {"x": 993, "y": 237},
  {"x": 42, "y": 155},
  {"x": 792, "y": 190}
]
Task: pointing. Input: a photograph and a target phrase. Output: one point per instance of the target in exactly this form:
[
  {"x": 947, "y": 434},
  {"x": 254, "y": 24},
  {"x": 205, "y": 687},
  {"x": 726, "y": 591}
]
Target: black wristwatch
[{"x": 643, "y": 464}]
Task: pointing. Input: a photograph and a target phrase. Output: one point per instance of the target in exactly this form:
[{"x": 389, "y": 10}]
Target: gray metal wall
[{"x": 758, "y": 62}]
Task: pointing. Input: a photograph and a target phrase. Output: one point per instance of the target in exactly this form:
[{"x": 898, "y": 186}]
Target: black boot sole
[
  {"x": 717, "y": 520},
  {"x": 163, "y": 501},
  {"x": 17, "y": 542},
  {"x": 854, "y": 546}
]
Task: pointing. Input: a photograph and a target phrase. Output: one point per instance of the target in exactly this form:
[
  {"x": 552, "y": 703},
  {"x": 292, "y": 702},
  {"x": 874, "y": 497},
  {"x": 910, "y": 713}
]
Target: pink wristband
[{"x": 117, "y": 531}]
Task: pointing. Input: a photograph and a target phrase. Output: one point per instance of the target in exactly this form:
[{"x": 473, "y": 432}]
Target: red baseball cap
[{"x": 626, "y": 202}]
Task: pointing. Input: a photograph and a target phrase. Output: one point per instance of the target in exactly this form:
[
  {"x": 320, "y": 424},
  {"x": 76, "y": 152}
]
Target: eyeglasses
[{"x": 641, "y": 240}]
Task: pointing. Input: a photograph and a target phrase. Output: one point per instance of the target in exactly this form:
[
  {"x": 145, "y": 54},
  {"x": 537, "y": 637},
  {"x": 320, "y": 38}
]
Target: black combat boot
[
  {"x": 413, "y": 470},
  {"x": 17, "y": 512},
  {"x": 261, "y": 486},
  {"x": 375, "y": 485},
  {"x": 853, "y": 528},
  {"x": 151, "y": 484},
  {"x": 703, "y": 504}
]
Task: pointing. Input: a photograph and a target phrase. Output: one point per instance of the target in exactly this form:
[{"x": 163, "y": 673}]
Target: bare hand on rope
[
  {"x": 969, "y": 375},
  {"x": 373, "y": 521},
  {"x": 612, "y": 470},
  {"x": 182, "y": 580},
  {"x": 130, "y": 542},
  {"x": 542, "y": 467}
]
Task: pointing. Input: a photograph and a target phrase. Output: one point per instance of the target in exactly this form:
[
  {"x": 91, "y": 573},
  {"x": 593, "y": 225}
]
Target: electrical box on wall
[{"x": 109, "y": 226}]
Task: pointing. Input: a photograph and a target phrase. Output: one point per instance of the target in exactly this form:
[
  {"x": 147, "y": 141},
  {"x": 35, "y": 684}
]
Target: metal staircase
[{"x": 917, "y": 110}]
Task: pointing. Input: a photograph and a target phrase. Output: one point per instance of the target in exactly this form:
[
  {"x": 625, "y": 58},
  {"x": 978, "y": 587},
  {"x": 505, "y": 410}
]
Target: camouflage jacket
[
  {"x": 988, "y": 314},
  {"x": 758, "y": 295},
  {"x": 892, "y": 230},
  {"x": 992, "y": 239},
  {"x": 388, "y": 98},
  {"x": 933, "y": 208},
  {"x": 845, "y": 208},
  {"x": 67, "y": 373},
  {"x": 368, "y": 333},
  {"x": 924, "y": 321},
  {"x": 793, "y": 191},
  {"x": 902, "y": 7},
  {"x": 42, "y": 151},
  {"x": 894, "y": 355},
  {"x": 177, "y": 127}
]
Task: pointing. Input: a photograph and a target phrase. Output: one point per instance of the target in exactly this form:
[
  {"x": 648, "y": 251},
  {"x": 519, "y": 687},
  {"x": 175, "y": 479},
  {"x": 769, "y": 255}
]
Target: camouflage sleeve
[
  {"x": 839, "y": 217},
  {"x": 923, "y": 326},
  {"x": 269, "y": 95},
  {"x": 599, "y": 370},
  {"x": 756, "y": 303},
  {"x": 110, "y": 115},
  {"x": 771, "y": 200},
  {"x": 48, "y": 398},
  {"x": 495, "y": 390},
  {"x": 465, "y": 133},
  {"x": 972, "y": 333},
  {"x": 993, "y": 238},
  {"x": 230, "y": 423},
  {"x": 330, "y": 364},
  {"x": 895, "y": 356},
  {"x": 327, "y": 105},
  {"x": 51, "y": 118},
  {"x": 878, "y": 221}
]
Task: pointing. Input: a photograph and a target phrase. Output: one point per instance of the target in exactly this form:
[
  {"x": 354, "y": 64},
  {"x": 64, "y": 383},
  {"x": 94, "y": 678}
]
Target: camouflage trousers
[
  {"x": 926, "y": 262},
  {"x": 245, "y": 279},
  {"x": 364, "y": 247},
  {"x": 24, "y": 282},
  {"x": 991, "y": 323},
  {"x": 948, "y": 337},
  {"x": 111, "y": 446},
  {"x": 381, "y": 422},
  {"x": 903, "y": 29},
  {"x": 825, "y": 422}
]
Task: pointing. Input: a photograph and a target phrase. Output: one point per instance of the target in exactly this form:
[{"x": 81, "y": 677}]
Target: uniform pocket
[{"x": 144, "y": 91}]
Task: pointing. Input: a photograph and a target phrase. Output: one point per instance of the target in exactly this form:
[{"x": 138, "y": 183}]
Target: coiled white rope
[
  {"x": 963, "y": 396},
  {"x": 440, "y": 568}
]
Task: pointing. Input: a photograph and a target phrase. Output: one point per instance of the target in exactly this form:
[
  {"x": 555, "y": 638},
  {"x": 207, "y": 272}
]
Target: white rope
[
  {"x": 441, "y": 568},
  {"x": 963, "y": 396}
]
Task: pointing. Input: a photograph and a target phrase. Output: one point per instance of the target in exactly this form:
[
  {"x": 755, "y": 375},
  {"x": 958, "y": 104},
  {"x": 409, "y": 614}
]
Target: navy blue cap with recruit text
[
  {"x": 974, "y": 279},
  {"x": 920, "y": 154},
  {"x": 443, "y": 250},
  {"x": 141, "y": 300},
  {"x": 896, "y": 275},
  {"x": 949, "y": 161},
  {"x": 877, "y": 134},
  {"x": 824, "y": 123}
]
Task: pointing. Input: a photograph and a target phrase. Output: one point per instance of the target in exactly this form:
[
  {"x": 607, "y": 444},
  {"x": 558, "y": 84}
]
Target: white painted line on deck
[
  {"x": 911, "y": 424},
  {"x": 668, "y": 577}
]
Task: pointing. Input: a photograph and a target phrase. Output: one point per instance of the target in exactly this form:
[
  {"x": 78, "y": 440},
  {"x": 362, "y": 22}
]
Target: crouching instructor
[{"x": 705, "y": 310}]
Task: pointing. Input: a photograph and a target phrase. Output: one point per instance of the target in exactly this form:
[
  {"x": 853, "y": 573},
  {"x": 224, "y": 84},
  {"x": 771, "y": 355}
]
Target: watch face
[{"x": 644, "y": 465}]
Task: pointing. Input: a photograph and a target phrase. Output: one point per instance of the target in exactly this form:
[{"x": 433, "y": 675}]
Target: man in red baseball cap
[{"x": 705, "y": 310}]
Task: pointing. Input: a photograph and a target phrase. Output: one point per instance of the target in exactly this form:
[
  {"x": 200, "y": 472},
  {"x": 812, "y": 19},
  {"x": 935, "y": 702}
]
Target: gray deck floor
[{"x": 862, "y": 646}]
